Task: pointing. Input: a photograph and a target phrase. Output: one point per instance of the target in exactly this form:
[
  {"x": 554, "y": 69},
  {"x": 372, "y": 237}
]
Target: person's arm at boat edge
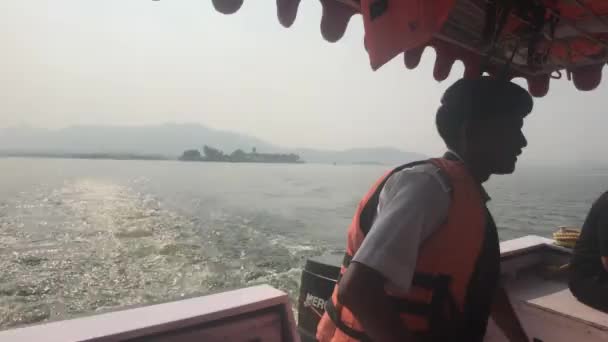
[
  {"x": 415, "y": 204},
  {"x": 362, "y": 291},
  {"x": 505, "y": 317}
]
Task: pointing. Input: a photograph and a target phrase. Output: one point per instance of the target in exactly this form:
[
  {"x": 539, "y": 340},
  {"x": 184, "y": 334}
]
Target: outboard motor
[{"x": 317, "y": 284}]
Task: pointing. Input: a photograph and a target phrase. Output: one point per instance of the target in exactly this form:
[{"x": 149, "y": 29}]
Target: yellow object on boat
[{"x": 566, "y": 236}]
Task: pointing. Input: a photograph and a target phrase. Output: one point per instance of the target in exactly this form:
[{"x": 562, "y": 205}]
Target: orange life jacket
[{"x": 437, "y": 301}]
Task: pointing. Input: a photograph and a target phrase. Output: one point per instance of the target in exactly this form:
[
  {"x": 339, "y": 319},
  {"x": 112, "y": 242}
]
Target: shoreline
[
  {"x": 90, "y": 156},
  {"x": 110, "y": 156}
]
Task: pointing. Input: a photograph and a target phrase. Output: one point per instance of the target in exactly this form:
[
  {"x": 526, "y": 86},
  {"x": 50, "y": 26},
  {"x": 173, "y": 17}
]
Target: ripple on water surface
[{"x": 93, "y": 246}]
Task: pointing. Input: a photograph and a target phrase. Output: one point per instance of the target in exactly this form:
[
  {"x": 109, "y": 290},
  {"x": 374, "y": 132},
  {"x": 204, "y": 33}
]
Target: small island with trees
[{"x": 211, "y": 154}]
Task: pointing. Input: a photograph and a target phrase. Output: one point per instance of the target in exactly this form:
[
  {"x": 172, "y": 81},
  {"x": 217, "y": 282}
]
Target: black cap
[{"x": 486, "y": 96}]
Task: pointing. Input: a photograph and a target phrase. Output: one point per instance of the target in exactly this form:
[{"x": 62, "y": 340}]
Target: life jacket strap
[
  {"x": 427, "y": 281},
  {"x": 445, "y": 318},
  {"x": 401, "y": 305},
  {"x": 334, "y": 315},
  {"x": 442, "y": 312}
]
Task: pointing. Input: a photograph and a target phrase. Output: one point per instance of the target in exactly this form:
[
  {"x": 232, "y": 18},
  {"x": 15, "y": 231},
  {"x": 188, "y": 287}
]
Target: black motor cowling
[{"x": 318, "y": 281}]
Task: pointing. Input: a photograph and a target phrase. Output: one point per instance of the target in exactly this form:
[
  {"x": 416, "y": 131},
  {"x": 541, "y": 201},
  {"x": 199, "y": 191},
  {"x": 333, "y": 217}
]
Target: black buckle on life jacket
[
  {"x": 345, "y": 263},
  {"x": 441, "y": 296},
  {"x": 347, "y": 260}
]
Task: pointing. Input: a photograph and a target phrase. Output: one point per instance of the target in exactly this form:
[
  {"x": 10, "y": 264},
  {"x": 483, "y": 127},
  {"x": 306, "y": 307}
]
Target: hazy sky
[{"x": 66, "y": 62}]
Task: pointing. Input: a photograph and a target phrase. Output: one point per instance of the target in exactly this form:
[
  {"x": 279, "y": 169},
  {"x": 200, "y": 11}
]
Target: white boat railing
[{"x": 259, "y": 313}]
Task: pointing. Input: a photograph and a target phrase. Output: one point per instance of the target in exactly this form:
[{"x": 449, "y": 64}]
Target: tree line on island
[{"x": 211, "y": 154}]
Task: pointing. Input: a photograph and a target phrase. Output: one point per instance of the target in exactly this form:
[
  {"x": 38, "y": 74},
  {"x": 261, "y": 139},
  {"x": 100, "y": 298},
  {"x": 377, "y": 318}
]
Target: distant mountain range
[{"x": 171, "y": 140}]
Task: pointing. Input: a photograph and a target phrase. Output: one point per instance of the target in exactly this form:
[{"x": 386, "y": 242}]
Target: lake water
[{"x": 85, "y": 236}]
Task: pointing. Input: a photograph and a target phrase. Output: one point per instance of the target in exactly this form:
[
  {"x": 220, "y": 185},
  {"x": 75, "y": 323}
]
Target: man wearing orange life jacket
[{"x": 422, "y": 260}]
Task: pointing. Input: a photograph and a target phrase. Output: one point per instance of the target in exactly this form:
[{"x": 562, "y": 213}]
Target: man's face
[{"x": 497, "y": 142}]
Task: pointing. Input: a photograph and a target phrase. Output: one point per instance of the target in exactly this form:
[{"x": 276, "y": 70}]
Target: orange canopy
[{"x": 534, "y": 39}]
